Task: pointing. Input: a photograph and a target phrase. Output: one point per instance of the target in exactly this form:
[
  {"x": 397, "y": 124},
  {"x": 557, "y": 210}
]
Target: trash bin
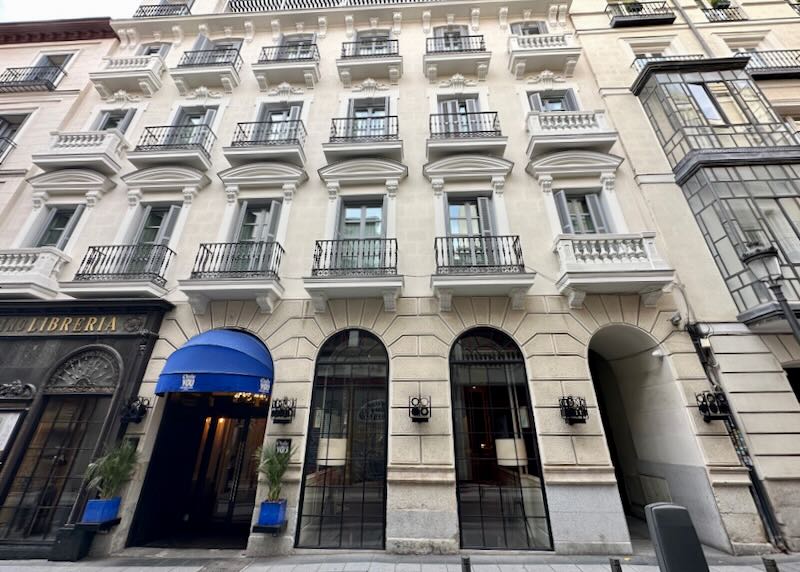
[
  {"x": 677, "y": 547},
  {"x": 72, "y": 544}
]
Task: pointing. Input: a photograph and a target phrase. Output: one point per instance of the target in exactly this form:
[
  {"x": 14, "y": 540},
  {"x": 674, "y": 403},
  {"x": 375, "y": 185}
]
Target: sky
[{"x": 24, "y": 10}]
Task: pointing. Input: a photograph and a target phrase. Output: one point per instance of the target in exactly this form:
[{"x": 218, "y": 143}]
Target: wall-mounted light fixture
[
  {"x": 419, "y": 409},
  {"x": 713, "y": 404},
  {"x": 283, "y": 410},
  {"x": 135, "y": 409},
  {"x": 573, "y": 409}
]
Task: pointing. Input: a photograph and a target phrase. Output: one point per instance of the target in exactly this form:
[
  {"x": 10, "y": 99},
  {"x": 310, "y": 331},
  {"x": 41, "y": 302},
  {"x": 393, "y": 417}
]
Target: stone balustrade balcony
[
  {"x": 557, "y": 53},
  {"x": 31, "y": 272},
  {"x": 128, "y": 74},
  {"x": 97, "y": 150},
  {"x": 611, "y": 264},
  {"x": 553, "y": 131}
]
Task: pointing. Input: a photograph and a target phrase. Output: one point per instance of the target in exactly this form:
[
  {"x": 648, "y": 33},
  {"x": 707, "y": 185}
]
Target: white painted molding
[{"x": 267, "y": 174}]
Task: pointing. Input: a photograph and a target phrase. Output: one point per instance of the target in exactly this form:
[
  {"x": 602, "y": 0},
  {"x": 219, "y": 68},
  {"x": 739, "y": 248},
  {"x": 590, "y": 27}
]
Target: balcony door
[
  {"x": 296, "y": 47},
  {"x": 459, "y": 115},
  {"x": 256, "y": 230},
  {"x": 528, "y": 28},
  {"x": 361, "y": 230},
  {"x": 191, "y": 126},
  {"x": 372, "y": 43},
  {"x": 451, "y": 38},
  {"x": 369, "y": 117},
  {"x": 470, "y": 227},
  {"x": 278, "y": 123},
  {"x": 148, "y": 255},
  {"x": 581, "y": 213},
  {"x": 58, "y": 226}
]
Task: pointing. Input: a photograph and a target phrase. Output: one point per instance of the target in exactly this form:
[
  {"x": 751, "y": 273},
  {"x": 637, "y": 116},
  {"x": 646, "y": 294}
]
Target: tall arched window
[
  {"x": 501, "y": 501},
  {"x": 343, "y": 502}
]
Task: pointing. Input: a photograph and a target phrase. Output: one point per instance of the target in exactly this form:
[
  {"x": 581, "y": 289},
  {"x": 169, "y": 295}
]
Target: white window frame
[
  {"x": 73, "y": 53},
  {"x": 127, "y": 137},
  {"x": 435, "y": 95},
  {"x": 31, "y": 113}
]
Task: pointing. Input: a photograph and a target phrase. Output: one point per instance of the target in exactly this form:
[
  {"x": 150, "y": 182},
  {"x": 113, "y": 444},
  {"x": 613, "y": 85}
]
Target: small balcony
[
  {"x": 730, "y": 14},
  {"x": 354, "y": 268},
  {"x": 447, "y": 56},
  {"x": 773, "y": 64},
  {"x": 474, "y": 132},
  {"x": 137, "y": 270},
  {"x": 267, "y": 141},
  {"x": 795, "y": 6},
  {"x": 6, "y": 146},
  {"x": 207, "y": 68},
  {"x": 161, "y": 10},
  {"x": 292, "y": 63},
  {"x": 37, "y": 78},
  {"x": 31, "y": 272},
  {"x": 130, "y": 74},
  {"x": 533, "y": 54},
  {"x": 364, "y": 137},
  {"x": 627, "y": 14},
  {"x": 97, "y": 150},
  {"x": 188, "y": 145},
  {"x": 611, "y": 264},
  {"x": 375, "y": 58},
  {"x": 480, "y": 266},
  {"x": 553, "y": 131},
  {"x": 235, "y": 271}
]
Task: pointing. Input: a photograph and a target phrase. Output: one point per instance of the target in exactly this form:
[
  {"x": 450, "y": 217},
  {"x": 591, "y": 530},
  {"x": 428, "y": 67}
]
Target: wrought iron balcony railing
[
  {"x": 771, "y": 61},
  {"x": 161, "y": 10},
  {"x": 640, "y": 10},
  {"x": 641, "y": 61},
  {"x": 217, "y": 57},
  {"x": 177, "y": 137},
  {"x": 289, "y": 53},
  {"x": 795, "y": 6},
  {"x": 222, "y": 260},
  {"x": 36, "y": 78},
  {"x": 123, "y": 262},
  {"x": 478, "y": 255},
  {"x": 352, "y": 129},
  {"x": 455, "y": 44},
  {"x": 355, "y": 257},
  {"x": 457, "y": 125},
  {"x": 731, "y": 14},
  {"x": 374, "y": 48},
  {"x": 269, "y": 133},
  {"x": 6, "y": 145},
  {"x": 292, "y": 5}
]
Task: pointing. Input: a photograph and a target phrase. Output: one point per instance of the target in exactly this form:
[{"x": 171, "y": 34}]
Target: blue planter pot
[
  {"x": 101, "y": 510},
  {"x": 272, "y": 513}
]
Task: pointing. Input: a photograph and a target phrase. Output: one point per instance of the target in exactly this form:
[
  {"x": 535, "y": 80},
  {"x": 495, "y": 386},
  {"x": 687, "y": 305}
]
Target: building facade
[{"x": 491, "y": 247}]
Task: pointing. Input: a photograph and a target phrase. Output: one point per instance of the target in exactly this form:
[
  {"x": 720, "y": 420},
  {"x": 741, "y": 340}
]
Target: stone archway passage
[
  {"x": 501, "y": 497},
  {"x": 343, "y": 501}
]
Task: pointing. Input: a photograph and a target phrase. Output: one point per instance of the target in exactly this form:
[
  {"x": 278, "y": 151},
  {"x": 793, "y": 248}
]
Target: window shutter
[
  {"x": 168, "y": 225},
  {"x": 597, "y": 213},
  {"x": 211, "y": 113},
  {"x": 542, "y": 26},
  {"x": 163, "y": 50},
  {"x": 535, "y": 99},
  {"x": 486, "y": 214},
  {"x": 274, "y": 220},
  {"x": 570, "y": 100},
  {"x": 202, "y": 43},
  {"x": 126, "y": 121},
  {"x": 563, "y": 212},
  {"x": 438, "y": 32},
  {"x": 51, "y": 212},
  {"x": 384, "y": 209},
  {"x": 5, "y": 127},
  {"x": 473, "y": 106},
  {"x": 236, "y": 231},
  {"x": 143, "y": 215},
  {"x": 102, "y": 120},
  {"x": 516, "y": 29},
  {"x": 70, "y": 227}
]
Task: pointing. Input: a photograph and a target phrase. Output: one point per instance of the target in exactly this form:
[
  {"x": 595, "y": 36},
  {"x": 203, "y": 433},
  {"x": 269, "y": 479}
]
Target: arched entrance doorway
[
  {"x": 200, "y": 488},
  {"x": 501, "y": 498},
  {"x": 652, "y": 443},
  {"x": 343, "y": 497}
]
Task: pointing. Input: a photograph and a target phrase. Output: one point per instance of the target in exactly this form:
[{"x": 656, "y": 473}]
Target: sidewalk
[{"x": 163, "y": 560}]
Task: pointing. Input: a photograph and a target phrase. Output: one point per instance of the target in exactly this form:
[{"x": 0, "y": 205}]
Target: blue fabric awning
[{"x": 218, "y": 360}]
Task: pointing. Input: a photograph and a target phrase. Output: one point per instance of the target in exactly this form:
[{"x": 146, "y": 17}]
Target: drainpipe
[
  {"x": 698, "y": 36},
  {"x": 766, "y": 511}
]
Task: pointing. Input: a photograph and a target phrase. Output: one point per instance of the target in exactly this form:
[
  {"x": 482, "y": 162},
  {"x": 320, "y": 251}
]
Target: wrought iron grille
[
  {"x": 175, "y": 137},
  {"x": 639, "y": 9},
  {"x": 795, "y": 6},
  {"x": 289, "y": 52},
  {"x": 377, "y": 47},
  {"x": 126, "y": 262},
  {"x": 768, "y": 61},
  {"x": 292, "y": 5},
  {"x": 473, "y": 124},
  {"x": 641, "y": 61},
  {"x": 36, "y": 78},
  {"x": 161, "y": 10},
  {"x": 355, "y": 257},
  {"x": 269, "y": 133},
  {"x": 724, "y": 14},
  {"x": 6, "y": 144},
  {"x": 237, "y": 260},
  {"x": 216, "y": 57},
  {"x": 447, "y": 44},
  {"x": 364, "y": 128},
  {"x": 478, "y": 255}
]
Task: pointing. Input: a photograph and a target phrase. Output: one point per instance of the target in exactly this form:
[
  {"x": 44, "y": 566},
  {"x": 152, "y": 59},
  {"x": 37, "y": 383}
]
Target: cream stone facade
[{"x": 425, "y": 119}]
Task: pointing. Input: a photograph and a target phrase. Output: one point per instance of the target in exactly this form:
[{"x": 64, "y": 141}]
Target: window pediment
[
  {"x": 71, "y": 181},
  {"x": 363, "y": 172},
  {"x": 574, "y": 164},
  {"x": 166, "y": 179},
  {"x": 263, "y": 175},
  {"x": 467, "y": 168}
]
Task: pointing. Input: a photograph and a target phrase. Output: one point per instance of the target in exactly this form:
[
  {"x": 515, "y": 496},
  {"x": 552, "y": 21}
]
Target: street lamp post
[{"x": 766, "y": 267}]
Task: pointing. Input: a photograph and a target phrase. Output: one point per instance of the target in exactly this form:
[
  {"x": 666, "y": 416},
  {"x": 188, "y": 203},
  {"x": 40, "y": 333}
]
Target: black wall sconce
[
  {"x": 419, "y": 409},
  {"x": 283, "y": 410},
  {"x": 135, "y": 410},
  {"x": 713, "y": 404},
  {"x": 573, "y": 409}
]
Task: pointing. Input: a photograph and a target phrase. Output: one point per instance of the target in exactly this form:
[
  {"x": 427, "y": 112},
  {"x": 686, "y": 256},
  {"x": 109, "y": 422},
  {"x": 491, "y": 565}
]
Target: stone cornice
[{"x": 56, "y": 31}]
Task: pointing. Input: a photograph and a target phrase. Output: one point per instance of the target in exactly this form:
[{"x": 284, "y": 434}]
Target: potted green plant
[
  {"x": 108, "y": 474},
  {"x": 272, "y": 465}
]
